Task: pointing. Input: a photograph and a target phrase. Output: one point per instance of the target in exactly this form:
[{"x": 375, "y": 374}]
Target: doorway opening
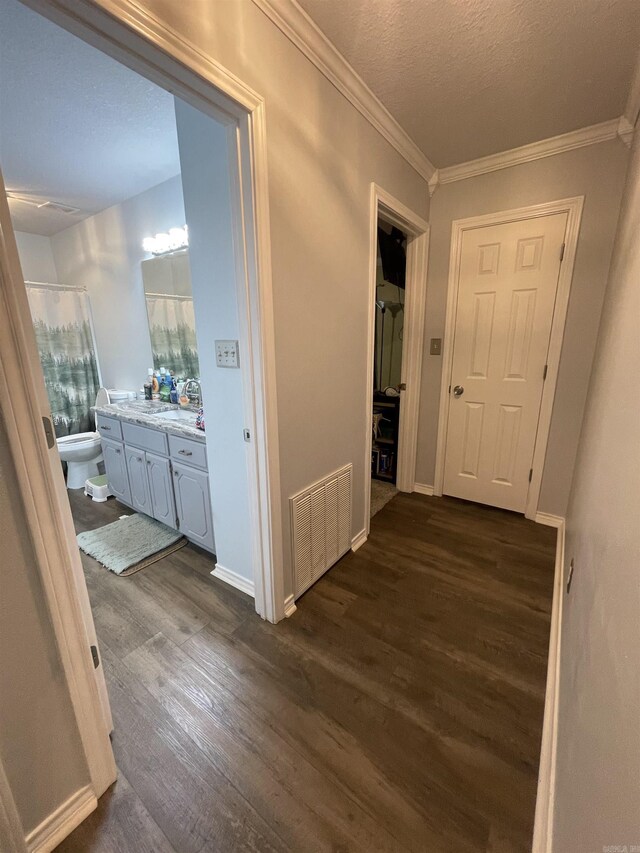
[
  {"x": 220, "y": 128},
  {"x": 130, "y": 274},
  {"x": 398, "y": 280},
  {"x": 391, "y": 268}
]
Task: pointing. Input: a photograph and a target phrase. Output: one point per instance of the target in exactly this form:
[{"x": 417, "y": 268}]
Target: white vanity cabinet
[
  {"x": 115, "y": 468},
  {"x": 162, "y": 475},
  {"x": 163, "y": 503},
  {"x": 138, "y": 480},
  {"x": 193, "y": 504}
]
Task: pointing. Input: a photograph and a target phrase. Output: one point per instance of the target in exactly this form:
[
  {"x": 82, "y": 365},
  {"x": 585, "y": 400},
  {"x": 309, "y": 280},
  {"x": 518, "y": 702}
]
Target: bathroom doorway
[
  {"x": 398, "y": 272},
  {"x": 235, "y": 118}
]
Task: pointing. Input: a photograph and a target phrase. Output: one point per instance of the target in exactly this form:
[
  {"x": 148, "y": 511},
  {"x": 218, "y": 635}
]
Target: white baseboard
[
  {"x": 60, "y": 823},
  {"x": 423, "y": 489},
  {"x": 234, "y": 579},
  {"x": 545, "y": 799},
  {"x": 289, "y": 606},
  {"x": 549, "y": 520},
  {"x": 358, "y": 540}
]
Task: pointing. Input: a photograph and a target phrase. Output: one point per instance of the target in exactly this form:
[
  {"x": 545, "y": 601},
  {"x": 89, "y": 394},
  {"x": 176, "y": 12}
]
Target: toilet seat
[{"x": 79, "y": 441}]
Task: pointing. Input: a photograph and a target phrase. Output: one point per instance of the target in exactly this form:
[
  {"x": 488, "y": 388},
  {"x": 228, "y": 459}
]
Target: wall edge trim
[
  {"x": 423, "y": 489},
  {"x": 234, "y": 579},
  {"x": 545, "y": 798},
  {"x": 549, "y": 520},
  {"x": 358, "y": 540},
  {"x": 61, "y": 822}
]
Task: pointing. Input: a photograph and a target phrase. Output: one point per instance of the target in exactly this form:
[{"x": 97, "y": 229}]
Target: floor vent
[{"x": 321, "y": 527}]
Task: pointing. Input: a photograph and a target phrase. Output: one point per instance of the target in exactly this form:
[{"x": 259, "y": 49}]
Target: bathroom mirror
[{"x": 167, "y": 290}]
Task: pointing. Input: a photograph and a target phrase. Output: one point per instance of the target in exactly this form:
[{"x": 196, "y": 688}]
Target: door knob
[{"x": 458, "y": 390}]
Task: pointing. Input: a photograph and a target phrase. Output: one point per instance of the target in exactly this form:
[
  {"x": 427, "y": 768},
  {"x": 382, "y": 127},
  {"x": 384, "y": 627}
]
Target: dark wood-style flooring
[{"x": 399, "y": 709}]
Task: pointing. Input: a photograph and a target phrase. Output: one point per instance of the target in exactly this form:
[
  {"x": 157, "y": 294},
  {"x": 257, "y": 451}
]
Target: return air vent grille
[{"x": 321, "y": 527}]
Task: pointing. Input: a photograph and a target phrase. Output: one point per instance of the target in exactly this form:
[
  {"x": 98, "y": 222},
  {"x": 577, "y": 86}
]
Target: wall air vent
[{"x": 321, "y": 527}]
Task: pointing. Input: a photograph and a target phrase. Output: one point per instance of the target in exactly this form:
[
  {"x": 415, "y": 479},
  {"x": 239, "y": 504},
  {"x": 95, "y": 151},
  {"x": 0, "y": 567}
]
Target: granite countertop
[{"x": 149, "y": 413}]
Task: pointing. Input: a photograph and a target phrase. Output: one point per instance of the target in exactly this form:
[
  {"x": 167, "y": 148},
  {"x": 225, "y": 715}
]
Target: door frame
[
  {"x": 417, "y": 231},
  {"x": 134, "y": 37},
  {"x": 573, "y": 208}
]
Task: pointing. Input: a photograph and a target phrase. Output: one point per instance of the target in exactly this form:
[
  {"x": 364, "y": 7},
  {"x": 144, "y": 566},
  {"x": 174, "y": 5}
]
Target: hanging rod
[
  {"x": 52, "y": 285},
  {"x": 169, "y": 296}
]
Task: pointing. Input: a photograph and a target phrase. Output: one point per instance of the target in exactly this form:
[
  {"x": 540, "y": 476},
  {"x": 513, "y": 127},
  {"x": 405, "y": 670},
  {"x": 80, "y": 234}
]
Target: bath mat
[
  {"x": 381, "y": 494},
  {"x": 131, "y": 543}
]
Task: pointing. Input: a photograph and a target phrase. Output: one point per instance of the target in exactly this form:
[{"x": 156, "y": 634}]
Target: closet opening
[
  {"x": 391, "y": 267},
  {"x": 398, "y": 280}
]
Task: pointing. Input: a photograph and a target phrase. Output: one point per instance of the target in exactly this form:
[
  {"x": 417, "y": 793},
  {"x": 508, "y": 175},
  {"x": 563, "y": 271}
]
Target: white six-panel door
[{"x": 506, "y": 294}]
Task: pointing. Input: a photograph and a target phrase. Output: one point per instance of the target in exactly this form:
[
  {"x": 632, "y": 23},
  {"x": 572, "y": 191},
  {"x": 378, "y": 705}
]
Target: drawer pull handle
[
  {"x": 105, "y": 427},
  {"x": 117, "y": 450},
  {"x": 148, "y": 462},
  {"x": 186, "y": 452}
]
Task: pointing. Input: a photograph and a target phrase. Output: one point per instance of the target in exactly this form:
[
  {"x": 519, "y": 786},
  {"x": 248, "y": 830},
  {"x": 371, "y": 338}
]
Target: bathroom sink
[{"x": 178, "y": 415}]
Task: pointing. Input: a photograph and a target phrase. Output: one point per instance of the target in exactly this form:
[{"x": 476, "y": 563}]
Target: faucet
[{"x": 193, "y": 391}]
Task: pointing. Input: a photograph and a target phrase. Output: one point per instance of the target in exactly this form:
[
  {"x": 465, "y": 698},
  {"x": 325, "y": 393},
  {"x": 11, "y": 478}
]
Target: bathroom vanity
[{"x": 156, "y": 462}]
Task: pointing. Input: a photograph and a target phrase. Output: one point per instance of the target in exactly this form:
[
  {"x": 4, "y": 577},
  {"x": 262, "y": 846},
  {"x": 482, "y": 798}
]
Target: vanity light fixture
[{"x": 177, "y": 238}]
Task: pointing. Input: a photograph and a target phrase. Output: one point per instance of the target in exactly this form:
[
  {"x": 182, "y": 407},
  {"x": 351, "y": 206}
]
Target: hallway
[{"x": 399, "y": 709}]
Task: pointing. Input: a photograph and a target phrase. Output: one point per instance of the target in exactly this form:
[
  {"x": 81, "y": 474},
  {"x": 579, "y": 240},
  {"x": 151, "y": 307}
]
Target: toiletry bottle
[
  {"x": 148, "y": 385},
  {"x": 165, "y": 387},
  {"x": 155, "y": 392},
  {"x": 174, "y": 390}
]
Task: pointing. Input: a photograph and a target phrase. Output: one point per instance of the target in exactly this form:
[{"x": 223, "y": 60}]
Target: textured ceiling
[
  {"x": 75, "y": 126},
  {"x": 467, "y": 78}
]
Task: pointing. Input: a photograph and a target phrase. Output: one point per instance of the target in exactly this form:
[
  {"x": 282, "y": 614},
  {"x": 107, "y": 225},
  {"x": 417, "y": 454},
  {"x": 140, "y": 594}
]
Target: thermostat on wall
[{"x": 227, "y": 354}]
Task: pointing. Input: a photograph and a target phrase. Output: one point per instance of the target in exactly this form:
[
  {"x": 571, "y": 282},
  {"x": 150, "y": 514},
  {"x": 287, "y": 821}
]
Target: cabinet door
[
  {"x": 137, "y": 468},
  {"x": 163, "y": 505},
  {"x": 115, "y": 468},
  {"x": 193, "y": 504}
]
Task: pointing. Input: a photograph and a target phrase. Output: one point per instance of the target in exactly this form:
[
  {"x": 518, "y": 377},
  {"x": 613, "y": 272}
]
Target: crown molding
[
  {"x": 299, "y": 28},
  {"x": 625, "y": 130},
  {"x": 535, "y": 151},
  {"x": 632, "y": 108}
]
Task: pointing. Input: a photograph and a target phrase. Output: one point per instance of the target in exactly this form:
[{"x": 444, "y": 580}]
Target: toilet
[{"x": 83, "y": 451}]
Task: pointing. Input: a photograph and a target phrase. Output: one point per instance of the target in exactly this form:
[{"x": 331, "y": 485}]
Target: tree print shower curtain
[
  {"x": 62, "y": 325},
  {"x": 173, "y": 335}
]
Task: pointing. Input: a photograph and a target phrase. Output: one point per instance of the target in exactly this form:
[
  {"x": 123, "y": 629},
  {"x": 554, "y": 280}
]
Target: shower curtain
[
  {"x": 61, "y": 320},
  {"x": 173, "y": 335}
]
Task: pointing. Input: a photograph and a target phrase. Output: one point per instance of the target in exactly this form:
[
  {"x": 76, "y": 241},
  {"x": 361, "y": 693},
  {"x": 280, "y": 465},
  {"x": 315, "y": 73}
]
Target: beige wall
[
  {"x": 322, "y": 156},
  {"x": 598, "y": 771},
  {"x": 39, "y": 742},
  {"x": 597, "y": 172}
]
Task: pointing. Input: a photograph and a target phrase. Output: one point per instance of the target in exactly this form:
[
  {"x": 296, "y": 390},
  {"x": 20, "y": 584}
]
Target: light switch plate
[
  {"x": 436, "y": 346},
  {"x": 227, "y": 354}
]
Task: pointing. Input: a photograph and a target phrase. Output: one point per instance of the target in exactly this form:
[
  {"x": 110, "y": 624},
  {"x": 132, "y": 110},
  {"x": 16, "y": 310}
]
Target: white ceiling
[
  {"x": 467, "y": 78},
  {"x": 75, "y": 126}
]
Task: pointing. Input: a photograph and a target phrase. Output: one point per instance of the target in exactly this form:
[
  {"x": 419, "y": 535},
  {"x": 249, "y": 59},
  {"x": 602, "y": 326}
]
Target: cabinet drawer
[
  {"x": 187, "y": 451},
  {"x": 109, "y": 427},
  {"x": 145, "y": 438}
]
